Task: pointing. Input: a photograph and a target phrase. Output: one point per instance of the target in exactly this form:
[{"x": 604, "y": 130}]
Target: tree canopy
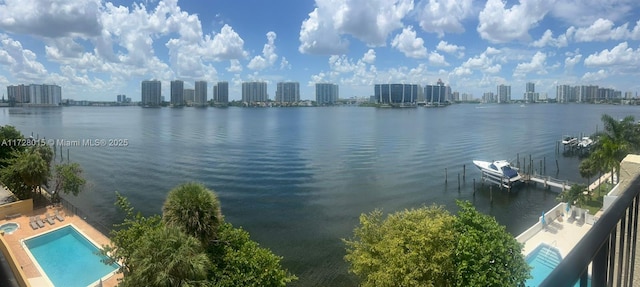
[
  {"x": 430, "y": 247},
  {"x": 9, "y": 136},
  {"x": 232, "y": 258},
  {"x": 195, "y": 209},
  {"x": 24, "y": 168},
  {"x": 619, "y": 138}
]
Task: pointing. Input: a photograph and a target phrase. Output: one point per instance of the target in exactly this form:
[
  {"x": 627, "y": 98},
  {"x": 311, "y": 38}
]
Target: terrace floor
[
  {"x": 25, "y": 231},
  {"x": 560, "y": 234}
]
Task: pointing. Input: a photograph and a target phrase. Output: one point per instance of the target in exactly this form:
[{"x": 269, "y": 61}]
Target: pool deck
[
  {"x": 25, "y": 231},
  {"x": 562, "y": 235}
]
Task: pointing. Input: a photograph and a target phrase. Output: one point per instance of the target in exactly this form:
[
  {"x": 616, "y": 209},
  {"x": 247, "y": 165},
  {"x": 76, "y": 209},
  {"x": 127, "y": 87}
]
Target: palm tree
[
  {"x": 618, "y": 139},
  {"x": 575, "y": 195},
  {"x": 195, "y": 209},
  {"x": 167, "y": 256},
  {"x": 588, "y": 169}
]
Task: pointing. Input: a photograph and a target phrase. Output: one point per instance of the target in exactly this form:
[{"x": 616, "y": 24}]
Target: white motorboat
[
  {"x": 586, "y": 142},
  {"x": 569, "y": 140},
  {"x": 499, "y": 172}
]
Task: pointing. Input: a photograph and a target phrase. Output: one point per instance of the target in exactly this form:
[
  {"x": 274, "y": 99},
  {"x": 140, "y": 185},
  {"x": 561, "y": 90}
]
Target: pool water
[
  {"x": 9, "y": 228},
  {"x": 68, "y": 258},
  {"x": 543, "y": 260}
]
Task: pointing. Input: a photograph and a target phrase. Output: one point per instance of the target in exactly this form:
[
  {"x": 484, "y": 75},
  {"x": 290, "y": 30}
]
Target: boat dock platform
[{"x": 547, "y": 181}]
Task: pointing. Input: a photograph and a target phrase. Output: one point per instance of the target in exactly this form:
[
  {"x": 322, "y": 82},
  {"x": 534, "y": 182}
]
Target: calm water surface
[{"x": 298, "y": 178}]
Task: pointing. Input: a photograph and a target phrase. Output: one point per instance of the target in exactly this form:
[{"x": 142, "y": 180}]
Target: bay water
[{"x": 298, "y": 178}]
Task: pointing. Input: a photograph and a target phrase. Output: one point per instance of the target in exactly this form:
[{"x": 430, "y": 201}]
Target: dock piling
[
  {"x": 458, "y": 181},
  {"x": 464, "y": 172},
  {"x": 445, "y": 175},
  {"x": 491, "y": 193},
  {"x": 474, "y": 187}
]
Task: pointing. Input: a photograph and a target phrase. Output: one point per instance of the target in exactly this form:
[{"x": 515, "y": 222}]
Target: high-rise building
[
  {"x": 221, "y": 92},
  {"x": 151, "y": 93},
  {"x": 489, "y": 97},
  {"x": 189, "y": 96},
  {"x": 396, "y": 93},
  {"x": 200, "y": 93},
  {"x": 253, "y": 92},
  {"x": 288, "y": 92},
  {"x": 438, "y": 93},
  {"x": 326, "y": 93},
  {"x": 530, "y": 95},
  {"x": 18, "y": 95},
  {"x": 563, "y": 93},
  {"x": 177, "y": 93},
  {"x": 45, "y": 95},
  {"x": 504, "y": 94}
]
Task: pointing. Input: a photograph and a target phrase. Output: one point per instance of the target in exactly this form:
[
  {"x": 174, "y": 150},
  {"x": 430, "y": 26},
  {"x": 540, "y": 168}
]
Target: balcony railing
[{"x": 609, "y": 247}]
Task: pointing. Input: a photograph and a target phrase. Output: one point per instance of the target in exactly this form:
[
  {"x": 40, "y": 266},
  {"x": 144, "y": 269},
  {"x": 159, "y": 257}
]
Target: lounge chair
[
  {"x": 580, "y": 217},
  {"x": 572, "y": 216},
  {"x": 58, "y": 216},
  {"x": 49, "y": 219},
  {"x": 39, "y": 221},
  {"x": 32, "y": 222}
]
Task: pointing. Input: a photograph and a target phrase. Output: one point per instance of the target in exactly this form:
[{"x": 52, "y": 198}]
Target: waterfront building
[
  {"x": 18, "y": 95},
  {"x": 437, "y": 94},
  {"x": 530, "y": 95},
  {"x": 177, "y": 93},
  {"x": 563, "y": 93},
  {"x": 151, "y": 93},
  {"x": 396, "y": 93},
  {"x": 489, "y": 97},
  {"x": 253, "y": 92},
  {"x": 628, "y": 95},
  {"x": 221, "y": 93},
  {"x": 605, "y": 94},
  {"x": 189, "y": 96},
  {"x": 504, "y": 94},
  {"x": 587, "y": 94},
  {"x": 327, "y": 93},
  {"x": 288, "y": 92},
  {"x": 34, "y": 94},
  {"x": 200, "y": 93},
  {"x": 455, "y": 96},
  {"x": 123, "y": 99}
]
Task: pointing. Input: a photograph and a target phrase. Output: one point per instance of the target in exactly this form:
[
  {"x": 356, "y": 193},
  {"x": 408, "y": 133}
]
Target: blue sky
[{"x": 98, "y": 49}]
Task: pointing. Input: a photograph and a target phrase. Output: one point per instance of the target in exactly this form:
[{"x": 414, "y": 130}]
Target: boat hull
[{"x": 499, "y": 172}]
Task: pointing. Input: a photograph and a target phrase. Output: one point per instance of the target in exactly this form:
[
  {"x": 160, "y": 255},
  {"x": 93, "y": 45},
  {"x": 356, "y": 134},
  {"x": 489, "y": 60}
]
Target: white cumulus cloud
[
  {"x": 369, "y": 57},
  {"x": 537, "y": 65},
  {"x": 450, "y": 48},
  {"x": 370, "y": 21},
  {"x": 268, "y": 57},
  {"x": 444, "y": 16},
  {"x": 410, "y": 45},
  {"x": 621, "y": 54},
  {"x": 499, "y": 24}
]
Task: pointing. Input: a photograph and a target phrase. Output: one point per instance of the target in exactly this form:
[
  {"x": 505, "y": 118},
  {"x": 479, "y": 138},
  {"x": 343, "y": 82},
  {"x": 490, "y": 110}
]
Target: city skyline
[{"x": 97, "y": 50}]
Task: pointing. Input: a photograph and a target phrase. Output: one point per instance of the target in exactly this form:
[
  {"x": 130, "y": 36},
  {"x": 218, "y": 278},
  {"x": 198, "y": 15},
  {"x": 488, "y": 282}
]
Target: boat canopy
[{"x": 509, "y": 172}]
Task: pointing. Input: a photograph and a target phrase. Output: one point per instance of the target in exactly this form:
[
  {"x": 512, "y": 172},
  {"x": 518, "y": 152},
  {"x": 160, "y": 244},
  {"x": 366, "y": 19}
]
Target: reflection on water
[{"x": 298, "y": 178}]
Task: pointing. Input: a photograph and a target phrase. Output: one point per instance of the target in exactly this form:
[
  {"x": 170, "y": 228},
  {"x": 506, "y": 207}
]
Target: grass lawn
[{"x": 594, "y": 203}]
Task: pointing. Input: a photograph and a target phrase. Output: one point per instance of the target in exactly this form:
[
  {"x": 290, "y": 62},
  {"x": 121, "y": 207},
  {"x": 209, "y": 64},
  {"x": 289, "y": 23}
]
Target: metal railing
[
  {"x": 89, "y": 219},
  {"x": 609, "y": 246}
]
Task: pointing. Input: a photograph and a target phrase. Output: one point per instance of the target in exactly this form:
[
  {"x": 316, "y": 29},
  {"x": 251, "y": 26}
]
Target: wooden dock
[{"x": 548, "y": 181}]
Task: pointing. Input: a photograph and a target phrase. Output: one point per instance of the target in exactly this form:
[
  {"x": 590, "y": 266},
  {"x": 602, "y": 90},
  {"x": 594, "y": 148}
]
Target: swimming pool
[
  {"x": 68, "y": 258},
  {"x": 9, "y": 228},
  {"x": 543, "y": 260}
]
